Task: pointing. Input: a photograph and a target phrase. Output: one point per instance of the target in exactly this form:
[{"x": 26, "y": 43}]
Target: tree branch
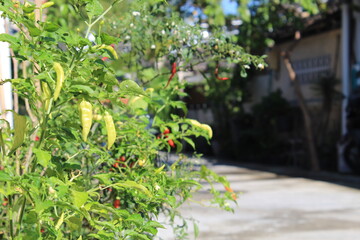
[{"x": 314, "y": 161}]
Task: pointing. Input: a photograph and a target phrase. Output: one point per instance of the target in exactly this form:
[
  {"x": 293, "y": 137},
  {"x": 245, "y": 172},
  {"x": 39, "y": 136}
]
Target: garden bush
[{"x": 83, "y": 161}]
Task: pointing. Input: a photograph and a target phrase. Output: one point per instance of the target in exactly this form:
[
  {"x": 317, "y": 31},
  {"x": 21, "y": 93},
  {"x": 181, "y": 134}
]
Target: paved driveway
[{"x": 278, "y": 207}]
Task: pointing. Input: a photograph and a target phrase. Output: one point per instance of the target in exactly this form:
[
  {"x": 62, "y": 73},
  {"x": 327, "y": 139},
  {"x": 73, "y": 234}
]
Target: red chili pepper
[
  {"x": 124, "y": 100},
  {"x": 173, "y": 72},
  {"x": 116, "y": 203},
  {"x": 122, "y": 159},
  {"x": 173, "y": 68},
  {"x": 171, "y": 143},
  {"x": 5, "y": 203},
  {"x": 217, "y": 74},
  {"x": 116, "y": 165},
  {"x": 42, "y": 230},
  {"x": 37, "y": 138},
  {"x": 105, "y": 101},
  {"x": 166, "y": 131}
]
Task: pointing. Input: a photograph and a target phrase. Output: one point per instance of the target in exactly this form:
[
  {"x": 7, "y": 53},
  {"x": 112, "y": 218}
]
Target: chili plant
[{"x": 82, "y": 161}]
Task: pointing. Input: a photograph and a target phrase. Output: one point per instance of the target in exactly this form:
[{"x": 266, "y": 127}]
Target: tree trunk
[{"x": 314, "y": 161}]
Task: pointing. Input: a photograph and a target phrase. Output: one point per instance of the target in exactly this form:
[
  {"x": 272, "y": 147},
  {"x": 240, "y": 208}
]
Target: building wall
[{"x": 313, "y": 57}]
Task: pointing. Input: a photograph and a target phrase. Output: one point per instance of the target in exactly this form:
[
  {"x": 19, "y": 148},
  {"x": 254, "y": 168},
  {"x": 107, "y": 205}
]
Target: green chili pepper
[
  {"x": 46, "y": 94},
  {"x": 59, "y": 79},
  {"x": 86, "y": 117},
  {"x": 110, "y": 128}
]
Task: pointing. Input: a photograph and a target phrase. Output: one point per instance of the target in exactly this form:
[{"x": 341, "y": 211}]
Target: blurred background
[{"x": 309, "y": 121}]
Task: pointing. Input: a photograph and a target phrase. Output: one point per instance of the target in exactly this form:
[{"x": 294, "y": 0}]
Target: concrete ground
[{"x": 276, "y": 206}]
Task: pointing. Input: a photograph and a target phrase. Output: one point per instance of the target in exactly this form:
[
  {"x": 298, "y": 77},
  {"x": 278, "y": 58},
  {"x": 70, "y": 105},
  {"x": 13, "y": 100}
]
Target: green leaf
[
  {"x": 196, "y": 230},
  {"x": 51, "y": 27},
  {"x": 82, "y": 89},
  {"x": 155, "y": 224},
  {"x": 107, "y": 39},
  {"x": 31, "y": 218},
  {"x": 103, "y": 234},
  {"x": 180, "y": 105},
  {"x": 171, "y": 201},
  {"x": 309, "y": 5},
  {"x": 43, "y": 157},
  {"x": 20, "y": 128},
  {"x": 150, "y": 230},
  {"x": 41, "y": 206},
  {"x": 110, "y": 79},
  {"x": 84, "y": 42},
  {"x": 43, "y": 56},
  {"x": 34, "y": 31},
  {"x": 132, "y": 184},
  {"x": 59, "y": 235},
  {"x": 8, "y": 38},
  {"x": 243, "y": 73},
  {"x": 94, "y": 8},
  {"x": 2, "y": 143},
  {"x": 190, "y": 142},
  {"x": 104, "y": 178},
  {"x": 190, "y": 182},
  {"x": 17, "y": 205},
  {"x": 29, "y": 8},
  {"x": 130, "y": 87},
  {"x": 4, "y": 177},
  {"x": 136, "y": 218},
  {"x": 138, "y": 102},
  {"x": 118, "y": 213},
  {"x": 137, "y": 236},
  {"x": 79, "y": 198}
]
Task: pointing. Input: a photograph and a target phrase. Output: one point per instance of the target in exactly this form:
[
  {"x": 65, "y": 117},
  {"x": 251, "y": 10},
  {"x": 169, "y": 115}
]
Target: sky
[{"x": 230, "y": 7}]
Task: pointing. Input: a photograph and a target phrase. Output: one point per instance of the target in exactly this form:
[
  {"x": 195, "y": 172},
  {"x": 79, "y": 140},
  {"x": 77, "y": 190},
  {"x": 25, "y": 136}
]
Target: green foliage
[
  {"x": 53, "y": 185},
  {"x": 261, "y": 131}
]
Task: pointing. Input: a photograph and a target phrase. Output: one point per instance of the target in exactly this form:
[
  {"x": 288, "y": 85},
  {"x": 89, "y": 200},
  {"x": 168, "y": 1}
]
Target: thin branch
[
  {"x": 90, "y": 25},
  {"x": 314, "y": 161},
  {"x": 156, "y": 76},
  {"x": 27, "y": 105}
]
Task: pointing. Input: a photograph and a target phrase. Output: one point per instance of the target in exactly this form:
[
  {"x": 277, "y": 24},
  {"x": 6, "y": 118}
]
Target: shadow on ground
[{"x": 348, "y": 180}]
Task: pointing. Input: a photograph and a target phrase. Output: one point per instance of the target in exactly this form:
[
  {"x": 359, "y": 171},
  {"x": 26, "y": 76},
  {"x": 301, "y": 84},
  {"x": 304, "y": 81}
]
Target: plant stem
[
  {"x": 91, "y": 24},
  {"x": 10, "y": 217}
]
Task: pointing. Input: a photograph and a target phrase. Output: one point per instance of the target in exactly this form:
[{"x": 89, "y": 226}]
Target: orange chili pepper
[{"x": 217, "y": 74}]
